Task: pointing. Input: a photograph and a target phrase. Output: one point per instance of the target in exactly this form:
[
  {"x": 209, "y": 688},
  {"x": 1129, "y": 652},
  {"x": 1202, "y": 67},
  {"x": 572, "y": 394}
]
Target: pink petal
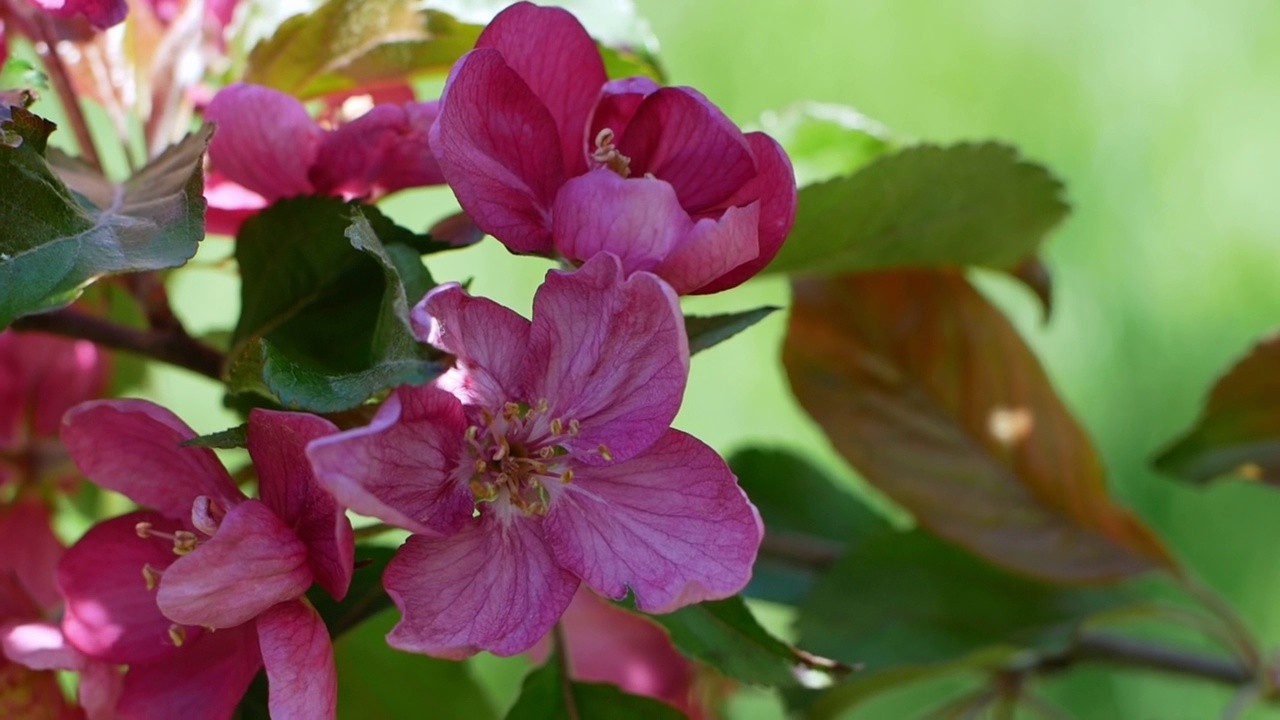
[
  {"x": 619, "y": 100},
  {"x": 101, "y": 687},
  {"x": 382, "y": 151},
  {"x": 559, "y": 61},
  {"x": 638, "y": 220},
  {"x": 110, "y": 614},
  {"x": 204, "y": 680},
  {"x": 253, "y": 562},
  {"x": 712, "y": 248},
  {"x": 101, "y": 14},
  {"x": 671, "y": 525},
  {"x": 298, "y": 655},
  {"x": 133, "y": 447},
  {"x": 498, "y": 148},
  {"x": 488, "y": 340},
  {"x": 681, "y": 138},
  {"x": 609, "y": 353},
  {"x": 775, "y": 187},
  {"x": 41, "y": 377},
  {"x": 288, "y": 485},
  {"x": 39, "y": 646},
  {"x": 265, "y": 140},
  {"x": 229, "y": 205},
  {"x": 29, "y": 549},
  {"x": 403, "y": 467},
  {"x": 492, "y": 586}
]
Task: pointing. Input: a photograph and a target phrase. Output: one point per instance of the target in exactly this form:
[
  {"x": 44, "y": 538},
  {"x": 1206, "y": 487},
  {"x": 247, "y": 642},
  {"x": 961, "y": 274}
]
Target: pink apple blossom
[
  {"x": 145, "y": 589},
  {"x": 101, "y": 14},
  {"x": 549, "y": 157},
  {"x": 545, "y": 458},
  {"x": 268, "y": 147}
]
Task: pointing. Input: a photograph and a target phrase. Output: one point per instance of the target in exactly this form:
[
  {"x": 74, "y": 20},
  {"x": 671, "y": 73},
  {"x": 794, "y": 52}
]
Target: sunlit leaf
[
  {"x": 548, "y": 695},
  {"x": 1238, "y": 433},
  {"x": 929, "y": 392},
  {"x": 351, "y": 44},
  {"x": 54, "y": 239},
  {"x": 824, "y": 140},
  {"x": 711, "y": 330}
]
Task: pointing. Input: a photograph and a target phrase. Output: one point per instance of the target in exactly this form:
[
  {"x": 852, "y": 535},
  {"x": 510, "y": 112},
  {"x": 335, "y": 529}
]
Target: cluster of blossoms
[{"x": 539, "y": 472}]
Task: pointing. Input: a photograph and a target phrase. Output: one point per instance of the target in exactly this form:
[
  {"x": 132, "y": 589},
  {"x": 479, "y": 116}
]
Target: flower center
[
  {"x": 518, "y": 457},
  {"x": 606, "y": 154}
]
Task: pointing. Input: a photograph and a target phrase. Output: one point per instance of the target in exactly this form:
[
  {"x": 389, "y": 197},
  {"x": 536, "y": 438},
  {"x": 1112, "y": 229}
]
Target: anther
[
  {"x": 177, "y": 634},
  {"x": 605, "y": 453},
  {"x": 566, "y": 477},
  {"x": 574, "y": 427},
  {"x": 143, "y": 529},
  {"x": 557, "y": 426},
  {"x": 151, "y": 576},
  {"x": 184, "y": 541}
]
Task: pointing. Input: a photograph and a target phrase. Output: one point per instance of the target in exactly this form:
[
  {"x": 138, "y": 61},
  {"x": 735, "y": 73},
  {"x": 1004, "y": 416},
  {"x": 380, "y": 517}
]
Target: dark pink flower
[
  {"x": 271, "y": 148},
  {"x": 142, "y": 589},
  {"x": 100, "y": 13},
  {"x": 543, "y": 459},
  {"x": 550, "y": 158}
]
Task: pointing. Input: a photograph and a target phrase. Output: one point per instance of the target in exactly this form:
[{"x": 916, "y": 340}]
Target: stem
[
  {"x": 800, "y": 549},
  {"x": 1128, "y": 652},
  {"x": 66, "y": 93},
  {"x": 171, "y": 345},
  {"x": 1235, "y": 627},
  {"x": 561, "y": 656}
]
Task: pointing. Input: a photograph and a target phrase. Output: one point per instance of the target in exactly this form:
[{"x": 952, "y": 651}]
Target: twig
[
  {"x": 800, "y": 549},
  {"x": 67, "y": 94},
  {"x": 171, "y": 345},
  {"x": 1133, "y": 653}
]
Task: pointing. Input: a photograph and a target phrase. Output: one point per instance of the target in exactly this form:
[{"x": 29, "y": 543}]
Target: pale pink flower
[{"x": 543, "y": 459}]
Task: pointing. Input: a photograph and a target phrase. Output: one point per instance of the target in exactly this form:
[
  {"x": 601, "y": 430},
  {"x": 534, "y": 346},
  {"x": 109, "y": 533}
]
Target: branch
[
  {"x": 170, "y": 345},
  {"x": 61, "y": 78},
  {"x": 1133, "y": 653}
]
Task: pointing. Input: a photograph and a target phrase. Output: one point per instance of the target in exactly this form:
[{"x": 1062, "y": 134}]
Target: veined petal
[
  {"x": 491, "y": 586},
  {"x": 133, "y": 447},
  {"x": 253, "y": 562},
  {"x": 288, "y": 485},
  {"x": 639, "y": 220},
  {"x": 382, "y": 151},
  {"x": 775, "y": 188},
  {"x": 298, "y": 656},
  {"x": 712, "y": 248},
  {"x": 609, "y": 353},
  {"x": 560, "y": 63},
  {"x": 110, "y": 613},
  {"x": 203, "y": 680},
  {"x": 671, "y": 525},
  {"x": 618, "y": 102},
  {"x": 680, "y": 137},
  {"x": 265, "y": 141},
  {"x": 403, "y": 467},
  {"x": 498, "y": 147},
  {"x": 488, "y": 340},
  {"x": 30, "y": 549}
]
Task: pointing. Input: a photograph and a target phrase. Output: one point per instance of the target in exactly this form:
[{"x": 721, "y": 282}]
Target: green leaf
[
  {"x": 366, "y": 596},
  {"x": 825, "y": 140},
  {"x": 548, "y": 695},
  {"x": 1238, "y": 433},
  {"x": 725, "y": 635},
  {"x": 236, "y": 437},
  {"x": 324, "y": 321},
  {"x": 376, "y": 681},
  {"x": 711, "y": 330},
  {"x": 350, "y": 44},
  {"x": 55, "y": 239},
  {"x": 926, "y": 207}
]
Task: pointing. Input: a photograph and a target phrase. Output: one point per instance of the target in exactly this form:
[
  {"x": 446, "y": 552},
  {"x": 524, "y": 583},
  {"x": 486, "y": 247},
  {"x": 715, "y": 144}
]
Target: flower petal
[
  {"x": 619, "y": 100},
  {"x": 378, "y": 153},
  {"x": 671, "y": 525},
  {"x": 712, "y": 248},
  {"x": 298, "y": 655},
  {"x": 253, "y": 562},
  {"x": 609, "y": 353},
  {"x": 498, "y": 147},
  {"x": 288, "y": 485},
  {"x": 110, "y": 614},
  {"x": 31, "y": 550},
  {"x": 559, "y": 62},
  {"x": 203, "y": 680},
  {"x": 403, "y": 467},
  {"x": 639, "y": 220},
  {"x": 39, "y": 646},
  {"x": 43, "y": 377},
  {"x": 229, "y": 204},
  {"x": 488, "y": 340},
  {"x": 492, "y": 586},
  {"x": 775, "y": 187},
  {"x": 133, "y": 447},
  {"x": 265, "y": 141},
  {"x": 102, "y": 14},
  {"x": 680, "y": 137}
]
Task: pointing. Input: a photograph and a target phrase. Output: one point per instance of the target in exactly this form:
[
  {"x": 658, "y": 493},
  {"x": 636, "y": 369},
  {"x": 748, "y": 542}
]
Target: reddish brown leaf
[
  {"x": 934, "y": 398},
  {"x": 1239, "y": 431}
]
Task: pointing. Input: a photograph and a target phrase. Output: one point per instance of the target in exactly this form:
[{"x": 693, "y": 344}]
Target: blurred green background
[{"x": 1163, "y": 118}]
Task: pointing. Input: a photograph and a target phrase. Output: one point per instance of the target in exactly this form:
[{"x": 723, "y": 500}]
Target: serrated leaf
[
  {"x": 365, "y": 597},
  {"x": 349, "y": 44},
  {"x": 710, "y": 330},
  {"x": 925, "y": 207},
  {"x": 1238, "y": 432},
  {"x": 324, "y": 321},
  {"x": 54, "y": 240},
  {"x": 236, "y": 437},
  {"x": 548, "y": 695},
  {"x": 932, "y": 396}
]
